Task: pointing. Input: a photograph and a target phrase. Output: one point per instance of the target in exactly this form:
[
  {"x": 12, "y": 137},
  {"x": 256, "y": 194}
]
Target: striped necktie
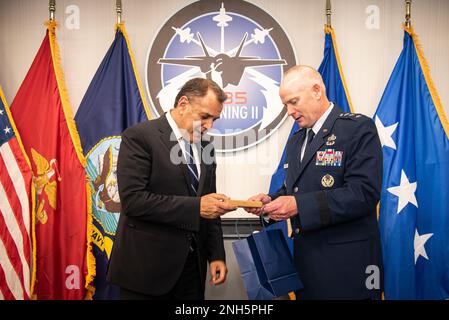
[{"x": 193, "y": 171}]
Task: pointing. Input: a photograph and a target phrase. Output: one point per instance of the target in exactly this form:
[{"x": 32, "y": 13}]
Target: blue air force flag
[
  {"x": 332, "y": 73},
  {"x": 414, "y": 207},
  {"x": 113, "y": 102}
]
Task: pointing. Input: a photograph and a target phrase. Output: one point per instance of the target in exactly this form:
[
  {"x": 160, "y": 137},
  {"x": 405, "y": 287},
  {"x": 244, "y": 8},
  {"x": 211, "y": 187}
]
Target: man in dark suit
[
  {"x": 332, "y": 187},
  {"x": 170, "y": 227}
]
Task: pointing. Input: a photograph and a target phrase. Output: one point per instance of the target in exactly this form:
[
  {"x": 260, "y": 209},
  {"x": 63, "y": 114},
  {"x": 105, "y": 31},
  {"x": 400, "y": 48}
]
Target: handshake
[{"x": 282, "y": 208}]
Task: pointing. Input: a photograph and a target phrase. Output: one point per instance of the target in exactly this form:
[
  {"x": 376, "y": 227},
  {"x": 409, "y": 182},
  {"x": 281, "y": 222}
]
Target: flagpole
[
  {"x": 408, "y": 9},
  {"x": 52, "y": 9},
  {"x": 118, "y": 5},
  {"x": 329, "y": 13}
]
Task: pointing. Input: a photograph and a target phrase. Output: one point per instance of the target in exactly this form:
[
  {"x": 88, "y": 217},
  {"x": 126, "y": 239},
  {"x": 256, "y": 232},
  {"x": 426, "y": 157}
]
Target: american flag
[{"x": 15, "y": 212}]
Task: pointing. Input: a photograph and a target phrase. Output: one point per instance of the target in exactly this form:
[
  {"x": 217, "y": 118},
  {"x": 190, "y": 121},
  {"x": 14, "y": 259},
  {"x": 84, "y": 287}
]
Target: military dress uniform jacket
[
  {"x": 337, "y": 189},
  {"x": 160, "y": 214}
]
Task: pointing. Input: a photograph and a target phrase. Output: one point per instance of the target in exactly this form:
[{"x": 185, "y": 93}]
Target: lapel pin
[{"x": 331, "y": 140}]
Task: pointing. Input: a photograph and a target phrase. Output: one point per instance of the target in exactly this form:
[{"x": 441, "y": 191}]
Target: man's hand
[
  {"x": 214, "y": 205},
  {"x": 218, "y": 272},
  {"x": 281, "y": 209},
  {"x": 260, "y": 197}
]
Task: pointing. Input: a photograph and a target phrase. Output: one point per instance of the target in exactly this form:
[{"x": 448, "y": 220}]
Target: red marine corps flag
[{"x": 43, "y": 116}]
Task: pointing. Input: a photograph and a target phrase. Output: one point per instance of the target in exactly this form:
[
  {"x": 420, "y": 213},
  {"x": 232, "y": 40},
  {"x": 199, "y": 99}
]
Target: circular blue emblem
[
  {"x": 101, "y": 169},
  {"x": 241, "y": 48}
]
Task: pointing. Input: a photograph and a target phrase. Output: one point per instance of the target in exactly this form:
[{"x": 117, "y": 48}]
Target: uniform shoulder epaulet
[{"x": 349, "y": 115}]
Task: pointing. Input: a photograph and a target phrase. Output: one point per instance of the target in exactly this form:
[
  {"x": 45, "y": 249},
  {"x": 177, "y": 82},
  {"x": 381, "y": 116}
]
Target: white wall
[{"x": 367, "y": 56}]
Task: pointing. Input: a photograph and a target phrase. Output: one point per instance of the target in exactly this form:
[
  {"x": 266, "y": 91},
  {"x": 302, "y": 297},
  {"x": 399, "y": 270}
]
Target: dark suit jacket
[
  {"x": 160, "y": 215},
  {"x": 336, "y": 234}
]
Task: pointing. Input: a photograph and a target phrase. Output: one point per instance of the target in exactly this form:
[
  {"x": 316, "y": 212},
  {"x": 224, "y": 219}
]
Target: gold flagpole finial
[
  {"x": 52, "y": 9},
  {"x": 329, "y": 13},
  {"x": 118, "y": 5},
  {"x": 408, "y": 15}
]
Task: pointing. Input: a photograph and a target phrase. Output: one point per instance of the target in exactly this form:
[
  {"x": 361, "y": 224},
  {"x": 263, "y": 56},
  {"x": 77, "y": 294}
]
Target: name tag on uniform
[
  {"x": 329, "y": 158},
  {"x": 285, "y": 165}
]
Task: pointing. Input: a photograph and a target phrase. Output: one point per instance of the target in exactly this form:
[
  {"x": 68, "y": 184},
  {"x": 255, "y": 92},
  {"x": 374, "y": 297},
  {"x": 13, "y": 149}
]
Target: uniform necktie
[{"x": 309, "y": 137}]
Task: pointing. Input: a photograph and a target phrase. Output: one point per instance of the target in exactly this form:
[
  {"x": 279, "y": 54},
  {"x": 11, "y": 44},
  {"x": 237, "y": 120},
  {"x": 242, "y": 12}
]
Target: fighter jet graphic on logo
[{"x": 230, "y": 68}]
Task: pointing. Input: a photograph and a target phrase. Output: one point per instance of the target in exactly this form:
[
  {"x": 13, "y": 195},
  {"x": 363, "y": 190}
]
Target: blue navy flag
[
  {"x": 332, "y": 73},
  {"x": 414, "y": 207},
  {"x": 113, "y": 102}
]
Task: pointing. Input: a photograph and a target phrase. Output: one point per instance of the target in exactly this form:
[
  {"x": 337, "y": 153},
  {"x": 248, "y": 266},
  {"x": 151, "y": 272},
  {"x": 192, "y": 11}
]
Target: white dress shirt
[{"x": 182, "y": 141}]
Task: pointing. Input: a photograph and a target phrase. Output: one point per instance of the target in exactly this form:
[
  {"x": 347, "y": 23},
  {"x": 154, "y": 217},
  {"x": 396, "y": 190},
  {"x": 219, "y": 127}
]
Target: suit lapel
[
  {"x": 293, "y": 156},
  {"x": 170, "y": 142},
  {"x": 318, "y": 140}
]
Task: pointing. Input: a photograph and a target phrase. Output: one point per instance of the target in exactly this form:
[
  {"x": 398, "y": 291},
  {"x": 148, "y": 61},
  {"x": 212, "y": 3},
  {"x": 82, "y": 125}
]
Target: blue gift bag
[{"x": 266, "y": 265}]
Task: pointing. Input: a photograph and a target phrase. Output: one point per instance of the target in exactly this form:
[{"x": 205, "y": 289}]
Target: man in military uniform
[{"x": 332, "y": 187}]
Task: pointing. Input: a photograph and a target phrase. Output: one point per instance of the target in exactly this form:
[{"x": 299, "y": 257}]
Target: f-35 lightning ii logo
[{"x": 239, "y": 46}]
